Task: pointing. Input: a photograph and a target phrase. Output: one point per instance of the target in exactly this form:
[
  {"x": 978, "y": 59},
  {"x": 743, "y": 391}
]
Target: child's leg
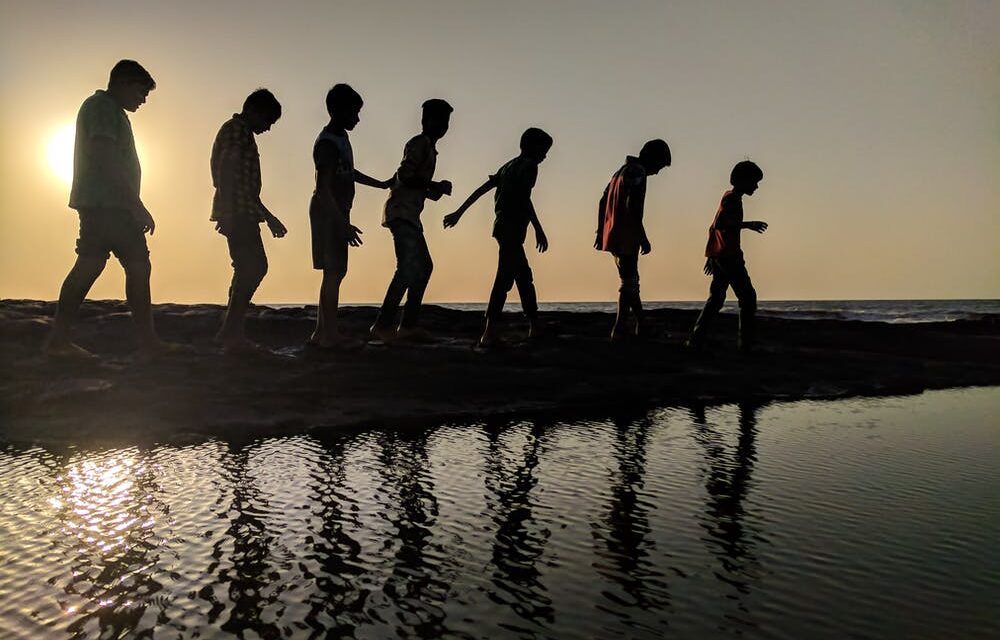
[
  {"x": 386, "y": 318},
  {"x": 249, "y": 268},
  {"x": 716, "y": 298},
  {"x": 74, "y": 289},
  {"x": 628, "y": 291},
  {"x": 420, "y": 267},
  {"x": 745, "y": 293},
  {"x": 329, "y": 299}
]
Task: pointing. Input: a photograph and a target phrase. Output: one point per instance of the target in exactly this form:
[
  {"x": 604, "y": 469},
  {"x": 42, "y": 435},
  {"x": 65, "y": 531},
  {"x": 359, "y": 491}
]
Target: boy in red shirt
[
  {"x": 725, "y": 258},
  {"x": 620, "y": 230}
]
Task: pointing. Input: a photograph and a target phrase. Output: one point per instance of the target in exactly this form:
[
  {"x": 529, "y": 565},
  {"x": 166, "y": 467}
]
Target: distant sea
[{"x": 893, "y": 311}]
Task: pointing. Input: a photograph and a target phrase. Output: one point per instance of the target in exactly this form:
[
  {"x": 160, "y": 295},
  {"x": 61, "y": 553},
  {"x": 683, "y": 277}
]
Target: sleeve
[
  {"x": 414, "y": 156},
  {"x": 325, "y": 155},
  {"x": 101, "y": 120}
]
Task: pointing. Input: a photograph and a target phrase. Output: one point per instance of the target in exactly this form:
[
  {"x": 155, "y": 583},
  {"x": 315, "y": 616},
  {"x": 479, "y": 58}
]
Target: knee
[
  {"x": 137, "y": 268},
  {"x": 748, "y": 300},
  {"x": 630, "y": 285}
]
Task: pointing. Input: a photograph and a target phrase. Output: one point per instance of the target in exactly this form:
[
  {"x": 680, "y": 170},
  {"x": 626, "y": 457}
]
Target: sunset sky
[{"x": 877, "y": 125}]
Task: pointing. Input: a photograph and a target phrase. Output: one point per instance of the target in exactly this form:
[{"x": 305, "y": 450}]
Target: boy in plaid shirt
[{"x": 237, "y": 210}]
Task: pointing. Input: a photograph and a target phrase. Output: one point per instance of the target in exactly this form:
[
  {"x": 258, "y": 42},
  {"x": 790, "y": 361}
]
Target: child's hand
[
  {"x": 541, "y": 242},
  {"x": 709, "y": 270},
  {"x": 452, "y": 219},
  {"x": 144, "y": 218},
  {"x": 645, "y": 247},
  {"x": 757, "y": 225},
  {"x": 445, "y": 187},
  {"x": 354, "y": 236},
  {"x": 278, "y": 230}
]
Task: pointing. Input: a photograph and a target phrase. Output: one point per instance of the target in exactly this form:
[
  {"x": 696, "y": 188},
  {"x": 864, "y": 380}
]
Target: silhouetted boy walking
[
  {"x": 725, "y": 258},
  {"x": 620, "y": 230},
  {"x": 330, "y": 209},
  {"x": 412, "y": 184},
  {"x": 237, "y": 210},
  {"x": 113, "y": 219},
  {"x": 514, "y": 212}
]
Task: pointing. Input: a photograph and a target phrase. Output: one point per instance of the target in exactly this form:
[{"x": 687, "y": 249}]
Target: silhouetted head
[
  {"x": 261, "y": 110},
  {"x": 654, "y": 156},
  {"x": 129, "y": 84},
  {"x": 745, "y": 177},
  {"x": 436, "y": 118},
  {"x": 535, "y": 143},
  {"x": 344, "y": 104}
]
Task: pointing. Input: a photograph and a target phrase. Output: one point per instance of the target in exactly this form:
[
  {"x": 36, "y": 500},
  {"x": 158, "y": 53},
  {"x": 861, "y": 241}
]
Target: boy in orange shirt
[
  {"x": 725, "y": 258},
  {"x": 620, "y": 230}
]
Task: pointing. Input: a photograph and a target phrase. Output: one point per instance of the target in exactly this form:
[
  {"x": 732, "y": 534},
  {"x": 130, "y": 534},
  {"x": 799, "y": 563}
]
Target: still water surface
[{"x": 861, "y": 518}]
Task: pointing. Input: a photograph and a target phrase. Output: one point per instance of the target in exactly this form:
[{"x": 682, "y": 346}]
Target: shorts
[
  {"x": 107, "y": 231},
  {"x": 329, "y": 246}
]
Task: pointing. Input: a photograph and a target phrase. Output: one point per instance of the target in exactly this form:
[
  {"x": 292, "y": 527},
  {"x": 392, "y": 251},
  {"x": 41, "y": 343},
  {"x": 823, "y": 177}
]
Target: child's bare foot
[
  {"x": 382, "y": 333},
  {"x": 536, "y": 329},
  {"x": 67, "y": 349},
  {"x": 414, "y": 334},
  {"x": 490, "y": 338}
]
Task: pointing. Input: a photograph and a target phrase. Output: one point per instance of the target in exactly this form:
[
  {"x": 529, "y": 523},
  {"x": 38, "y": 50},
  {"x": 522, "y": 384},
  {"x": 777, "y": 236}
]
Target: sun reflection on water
[{"x": 106, "y": 505}]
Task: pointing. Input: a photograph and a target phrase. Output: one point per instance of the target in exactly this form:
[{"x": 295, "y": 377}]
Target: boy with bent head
[
  {"x": 113, "y": 219},
  {"x": 725, "y": 258},
  {"x": 330, "y": 209},
  {"x": 620, "y": 230},
  {"x": 412, "y": 184},
  {"x": 237, "y": 210},
  {"x": 514, "y": 211}
]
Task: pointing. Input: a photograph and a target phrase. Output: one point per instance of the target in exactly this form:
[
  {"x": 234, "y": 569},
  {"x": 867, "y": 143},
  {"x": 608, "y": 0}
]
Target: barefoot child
[
  {"x": 725, "y": 258},
  {"x": 514, "y": 211},
  {"x": 330, "y": 209},
  {"x": 620, "y": 230},
  {"x": 113, "y": 219},
  {"x": 411, "y": 186},
  {"x": 237, "y": 210}
]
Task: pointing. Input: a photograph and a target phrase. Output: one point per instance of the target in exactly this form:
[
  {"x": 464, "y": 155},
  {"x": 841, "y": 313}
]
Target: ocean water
[
  {"x": 894, "y": 311},
  {"x": 861, "y": 518}
]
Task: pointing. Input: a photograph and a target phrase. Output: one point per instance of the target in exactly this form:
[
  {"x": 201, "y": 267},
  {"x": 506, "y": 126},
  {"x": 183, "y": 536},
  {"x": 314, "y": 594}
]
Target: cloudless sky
[{"x": 877, "y": 125}]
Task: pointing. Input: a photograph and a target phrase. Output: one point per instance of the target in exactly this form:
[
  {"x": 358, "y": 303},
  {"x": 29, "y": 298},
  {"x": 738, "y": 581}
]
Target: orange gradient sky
[{"x": 877, "y": 126}]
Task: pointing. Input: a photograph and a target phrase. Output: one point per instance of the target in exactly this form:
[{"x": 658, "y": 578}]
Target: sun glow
[{"x": 59, "y": 153}]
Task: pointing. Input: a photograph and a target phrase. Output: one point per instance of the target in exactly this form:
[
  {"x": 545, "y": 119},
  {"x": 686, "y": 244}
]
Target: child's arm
[
  {"x": 541, "y": 241},
  {"x": 600, "y": 217},
  {"x": 636, "y": 208},
  {"x": 452, "y": 219},
  {"x": 368, "y": 181},
  {"x": 754, "y": 225},
  {"x": 324, "y": 190}
]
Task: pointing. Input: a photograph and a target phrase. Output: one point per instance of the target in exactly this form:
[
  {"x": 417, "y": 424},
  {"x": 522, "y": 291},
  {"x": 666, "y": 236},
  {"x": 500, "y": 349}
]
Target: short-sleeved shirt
[
  {"x": 512, "y": 198},
  {"x": 333, "y": 150},
  {"x": 101, "y": 116},
  {"x": 406, "y": 202},
  {"x": 621, "y": 209},
  {"x": 726, "y": 228},
  {"x": 235, "y": 150}
]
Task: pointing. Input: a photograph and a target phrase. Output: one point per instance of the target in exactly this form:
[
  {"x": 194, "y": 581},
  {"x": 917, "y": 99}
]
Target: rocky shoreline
[{"x": 575, "y": 370}]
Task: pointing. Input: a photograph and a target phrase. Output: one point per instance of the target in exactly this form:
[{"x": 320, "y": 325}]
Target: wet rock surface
[{"x": 574, "y": 369}]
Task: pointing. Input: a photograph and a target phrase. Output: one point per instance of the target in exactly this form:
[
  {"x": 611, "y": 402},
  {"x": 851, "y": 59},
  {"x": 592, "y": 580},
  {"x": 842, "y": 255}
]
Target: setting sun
[{"x": 59, "y": 153}]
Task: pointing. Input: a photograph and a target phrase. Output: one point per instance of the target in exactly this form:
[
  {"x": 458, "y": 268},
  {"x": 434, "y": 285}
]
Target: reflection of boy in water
[
  {"x": 620, "y": 230},
  {"x": 113, "y": 219},
  {"x": 725, "y": 258},
  {"x": 514, "y": 212}
]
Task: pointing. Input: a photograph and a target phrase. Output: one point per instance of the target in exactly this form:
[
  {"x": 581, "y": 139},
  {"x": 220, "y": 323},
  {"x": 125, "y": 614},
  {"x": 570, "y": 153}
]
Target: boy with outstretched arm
[
  {"x": 411, "y": 186},
  {"x": 113, "y": 219},
  {"x": 514, "y": 212},
  {"x": 724, "y": 258},
  {"x": 330, "y": 209},
  {"x": 620, "y": 230},
  {"x": 238, "y": 212}
]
